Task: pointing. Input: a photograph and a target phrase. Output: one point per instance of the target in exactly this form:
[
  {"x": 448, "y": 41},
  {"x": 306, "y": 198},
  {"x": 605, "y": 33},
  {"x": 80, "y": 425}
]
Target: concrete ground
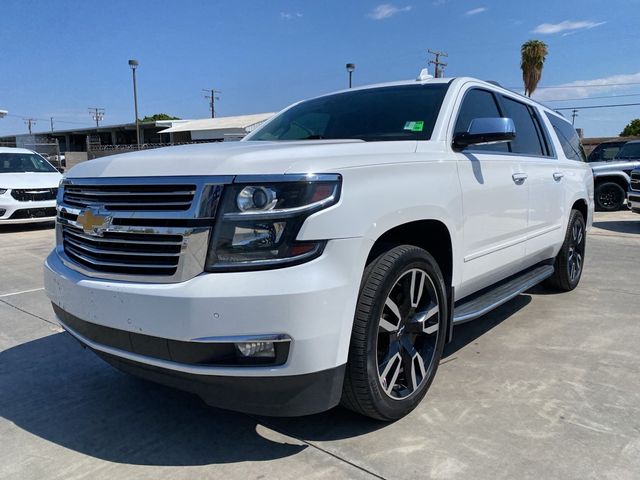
[{"x": 548, "y": 386}]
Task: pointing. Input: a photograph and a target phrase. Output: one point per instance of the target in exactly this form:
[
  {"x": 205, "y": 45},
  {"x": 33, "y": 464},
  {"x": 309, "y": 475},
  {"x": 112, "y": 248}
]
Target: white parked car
[
  {"x": 327, "y": 256},
  {"x": 28, "y": 187}
]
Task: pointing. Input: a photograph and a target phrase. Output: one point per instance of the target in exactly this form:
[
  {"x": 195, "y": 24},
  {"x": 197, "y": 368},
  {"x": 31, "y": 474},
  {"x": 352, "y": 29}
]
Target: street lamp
[
  {"x": 350, "y": 68},
  {"x": 134, "y": 64}
]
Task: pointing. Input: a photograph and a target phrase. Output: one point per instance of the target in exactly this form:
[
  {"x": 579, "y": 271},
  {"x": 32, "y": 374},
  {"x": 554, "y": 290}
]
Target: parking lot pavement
[{"x": 547, "y": 386}]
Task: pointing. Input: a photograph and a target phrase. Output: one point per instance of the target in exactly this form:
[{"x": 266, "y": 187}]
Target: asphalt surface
[{"x": 546, "y": 386}]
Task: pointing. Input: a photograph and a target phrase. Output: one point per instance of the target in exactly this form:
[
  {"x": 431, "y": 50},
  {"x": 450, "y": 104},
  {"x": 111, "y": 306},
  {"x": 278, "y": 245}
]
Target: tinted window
[
  {"x": 527, "y": 140},
  {"x": 630, "y": 150},
  {"x": 23, "y": 162},
  {"x": 605, "y": 152},
  {"x": 568, "y": 137},
  {"x": 405, "y": 112},
  {"x": 479, "y": 104}
]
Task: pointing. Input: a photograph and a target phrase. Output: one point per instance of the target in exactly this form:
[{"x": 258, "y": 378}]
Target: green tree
[
  {"x": 632, "y": 129},
  {"x": 158, "y": 116},
  {"x": 533, "y": 54}
]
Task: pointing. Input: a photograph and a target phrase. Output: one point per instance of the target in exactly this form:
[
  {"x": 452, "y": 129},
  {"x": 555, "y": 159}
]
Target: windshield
[
  {"x": 24, "y": 162},
  {"x": 605, "y": 152},
  {"x": 630, "y": 150},
  {"x": 406, "y": 112}
]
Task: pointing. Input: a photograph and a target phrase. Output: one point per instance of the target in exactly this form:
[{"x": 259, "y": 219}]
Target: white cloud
[
  {"x": 566, "y": 26},
  {"x": 476, "y": 11},
  {"x": 386, "y": 10},
  {"x": 587, "y": 88},
  {"x": 290, "y": 15}
]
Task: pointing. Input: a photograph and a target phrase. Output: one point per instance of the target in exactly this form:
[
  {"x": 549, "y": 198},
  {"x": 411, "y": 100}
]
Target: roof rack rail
[{"x": 493, "y": 82}]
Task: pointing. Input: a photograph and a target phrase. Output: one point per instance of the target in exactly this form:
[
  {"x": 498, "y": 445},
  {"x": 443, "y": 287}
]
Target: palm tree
[{"x": 533, "y": 54}]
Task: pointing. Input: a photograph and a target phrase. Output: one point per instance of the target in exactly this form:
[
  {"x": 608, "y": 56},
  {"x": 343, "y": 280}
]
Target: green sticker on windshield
[{"x": 416, "y": 126}]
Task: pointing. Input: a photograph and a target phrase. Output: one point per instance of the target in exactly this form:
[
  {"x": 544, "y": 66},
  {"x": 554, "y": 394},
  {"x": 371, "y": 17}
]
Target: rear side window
[
  {"x": 569, "y": 139},
  {"x": 527, "y": 140},
  {"x": 479, "y": 104}
]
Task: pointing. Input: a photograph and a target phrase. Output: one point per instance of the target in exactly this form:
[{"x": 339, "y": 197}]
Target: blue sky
[{"x": 58, "y": 58}]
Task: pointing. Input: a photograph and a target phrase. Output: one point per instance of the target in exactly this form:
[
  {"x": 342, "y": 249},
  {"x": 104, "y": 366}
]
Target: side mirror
[{"x": 483, "y": 131}]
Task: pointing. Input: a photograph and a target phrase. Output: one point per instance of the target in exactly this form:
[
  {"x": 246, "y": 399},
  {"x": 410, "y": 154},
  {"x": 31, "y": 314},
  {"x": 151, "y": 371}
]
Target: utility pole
[
  {"x": 438, "y": 71},
  {"x": 97, "y": 114},
  {"x": 29, "y": 122},
  {"x": 212, "y": 99},
  {"x": 574, "y": 114},
  {"x": 51, "y": 120}
]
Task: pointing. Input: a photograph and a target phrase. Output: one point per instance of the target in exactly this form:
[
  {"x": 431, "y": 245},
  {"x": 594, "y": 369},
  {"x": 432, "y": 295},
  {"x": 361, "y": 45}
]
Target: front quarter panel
[{"x": 377, "y": 198}]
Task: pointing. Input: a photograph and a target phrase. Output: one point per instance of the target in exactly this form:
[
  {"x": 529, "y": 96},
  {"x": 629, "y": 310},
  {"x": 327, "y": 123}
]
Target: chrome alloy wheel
[
  {"x": 408, "y": 334},
  {"x": 576, "y": 251}
]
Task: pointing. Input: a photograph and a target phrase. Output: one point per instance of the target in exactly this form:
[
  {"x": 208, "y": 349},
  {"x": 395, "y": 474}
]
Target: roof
[
  {"x": 220, "y": 123},
  {"x": 14, "y": 150}
]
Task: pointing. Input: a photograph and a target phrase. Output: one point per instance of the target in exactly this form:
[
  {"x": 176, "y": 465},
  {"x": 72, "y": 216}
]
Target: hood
[
  {"x": 244, "y": 158},
  {"x": 30, "y": 180},
  {"x": 615, "y": 165}
]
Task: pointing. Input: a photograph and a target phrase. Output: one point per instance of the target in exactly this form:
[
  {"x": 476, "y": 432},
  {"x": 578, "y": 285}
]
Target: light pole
[
  {"x": 350, "y": 68},
  {"x": 134, "y": 64}
]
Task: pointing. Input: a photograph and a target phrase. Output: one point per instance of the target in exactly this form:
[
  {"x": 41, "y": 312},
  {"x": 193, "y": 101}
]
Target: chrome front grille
[
  {"x": 635, "y": 180},
  {"x": 131, "y": 197},
  {"x": 34, "y": 194},
  {"x": 133, "y": 253},
  {"x": 150, "y": 229}
]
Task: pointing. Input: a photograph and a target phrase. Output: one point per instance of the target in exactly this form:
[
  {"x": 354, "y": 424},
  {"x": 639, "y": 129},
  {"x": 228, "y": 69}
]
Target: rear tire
[
  {"x": 609, "y": 197},
  {"x": 398, "y": 334},
  {"x": 570, "y": 260}
]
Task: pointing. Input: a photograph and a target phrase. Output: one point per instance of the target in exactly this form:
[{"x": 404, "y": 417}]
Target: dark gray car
[{"x": 611, "y": 178}]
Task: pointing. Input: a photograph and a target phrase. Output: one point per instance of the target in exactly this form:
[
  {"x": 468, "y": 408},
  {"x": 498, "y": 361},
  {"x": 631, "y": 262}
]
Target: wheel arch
[
  {"x": 620, "y": 178},
  {"x": 583, "y": 207},
  {"x": 434, "y": 237}
]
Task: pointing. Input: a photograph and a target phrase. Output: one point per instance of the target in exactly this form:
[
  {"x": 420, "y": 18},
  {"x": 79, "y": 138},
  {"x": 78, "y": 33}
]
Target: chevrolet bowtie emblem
[{"x": 93, "y": 223}]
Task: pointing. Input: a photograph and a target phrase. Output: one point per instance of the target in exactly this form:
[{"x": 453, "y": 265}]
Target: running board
[{"x": 504, "y": 291}]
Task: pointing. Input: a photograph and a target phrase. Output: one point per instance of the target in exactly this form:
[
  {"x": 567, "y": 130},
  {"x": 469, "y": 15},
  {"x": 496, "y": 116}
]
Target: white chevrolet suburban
[{"x": 327, "y": 257}]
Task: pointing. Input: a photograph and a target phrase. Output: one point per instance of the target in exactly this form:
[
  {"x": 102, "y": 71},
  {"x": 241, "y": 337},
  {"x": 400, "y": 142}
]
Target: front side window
[
  {"x": 479, "y": 104},
  {"x": 629, "y": 151},
  {"x": 568, "y": 137},
  {"x": 24, "y": 163},
  {"x": 405, "y": 112},
  {"x": 527, "y": 141},
  {"x": 604, "y": 152}
]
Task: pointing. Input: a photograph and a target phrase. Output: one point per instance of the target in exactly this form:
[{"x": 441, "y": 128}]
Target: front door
[{"x": 495, "y": 200}]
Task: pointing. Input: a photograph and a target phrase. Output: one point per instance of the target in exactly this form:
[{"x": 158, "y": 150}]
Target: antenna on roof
[{"x": 424, "y": 75}]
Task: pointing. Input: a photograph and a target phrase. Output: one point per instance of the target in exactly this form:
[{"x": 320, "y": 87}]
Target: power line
[
  {"x": 29, "y": 122},
  {"x": 438, "y": 71},
  {"x": 593, "y": 98},
  {"x": 212, "y": 99},
  {"x": 599, "y": 106},
  {"x": 97, "y": 114},
  {"x": 582, "y": 86}
]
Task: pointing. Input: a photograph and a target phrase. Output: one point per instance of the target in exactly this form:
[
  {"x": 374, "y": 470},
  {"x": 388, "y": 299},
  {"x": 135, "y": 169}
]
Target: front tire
[
  {"x": 398, "y": 334},
  {"x": 609, "y": 197},
  {"x": 570, "y": 260}
]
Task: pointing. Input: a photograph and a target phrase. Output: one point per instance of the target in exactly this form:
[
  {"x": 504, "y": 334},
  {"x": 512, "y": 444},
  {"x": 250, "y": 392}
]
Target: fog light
[
  {"x": 257, "y": 349},
  {"x": 2, "y": 211}
]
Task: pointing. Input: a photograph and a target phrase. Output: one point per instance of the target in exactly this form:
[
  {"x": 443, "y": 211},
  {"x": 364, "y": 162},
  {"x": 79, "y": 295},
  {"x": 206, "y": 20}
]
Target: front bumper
[
  {"x": 312, "y": 304},
  {"x": 633, "y": 197},
  {"x": 26, "y": 212}
]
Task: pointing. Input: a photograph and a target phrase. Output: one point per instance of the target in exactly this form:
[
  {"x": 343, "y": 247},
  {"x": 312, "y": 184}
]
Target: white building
[{"x": 221, "y": 128}]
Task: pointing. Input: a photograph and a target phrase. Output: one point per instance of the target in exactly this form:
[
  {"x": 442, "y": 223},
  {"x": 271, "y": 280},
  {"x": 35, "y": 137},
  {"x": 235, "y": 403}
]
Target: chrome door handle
[
  {"x": 519, "y": 178},
  {"x": 557, "y": 176}
]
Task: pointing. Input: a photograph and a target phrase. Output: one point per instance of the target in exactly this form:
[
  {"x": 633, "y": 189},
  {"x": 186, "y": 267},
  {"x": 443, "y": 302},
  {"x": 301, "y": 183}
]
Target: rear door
[
  {"x": 495, "y": 199},
  {"x": 545, "y": 176}
]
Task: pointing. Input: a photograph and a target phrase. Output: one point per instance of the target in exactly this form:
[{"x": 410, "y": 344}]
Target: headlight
[
  {"x": 258, "y": 222},
  {"x": 3, "y": 191}
]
